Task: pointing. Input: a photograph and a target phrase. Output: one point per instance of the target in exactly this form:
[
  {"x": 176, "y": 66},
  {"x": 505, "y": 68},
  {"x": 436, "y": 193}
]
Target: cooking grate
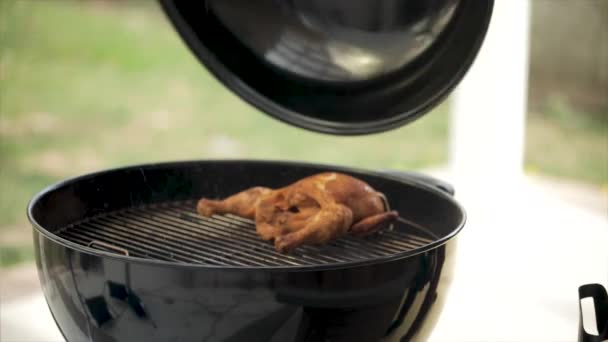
[{"x": 175, "y": 232}]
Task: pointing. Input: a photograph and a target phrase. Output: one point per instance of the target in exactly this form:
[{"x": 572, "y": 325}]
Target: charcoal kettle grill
[{"x": 123, "y": 256}]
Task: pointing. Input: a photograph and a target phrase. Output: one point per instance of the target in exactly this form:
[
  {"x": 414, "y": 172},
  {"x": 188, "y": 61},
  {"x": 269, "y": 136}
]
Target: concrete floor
[{"x": 521, "y": 258}]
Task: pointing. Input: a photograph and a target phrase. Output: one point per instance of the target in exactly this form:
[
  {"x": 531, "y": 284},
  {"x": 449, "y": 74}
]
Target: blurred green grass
[
  {"x": 11, "y": 255},
  {"x": 564, "y": 141},
  {"x": 90, "y": 85}
]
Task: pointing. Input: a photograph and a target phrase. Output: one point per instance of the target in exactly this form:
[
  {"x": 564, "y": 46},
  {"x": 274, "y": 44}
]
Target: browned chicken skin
[{"x": 313, "y": 210}]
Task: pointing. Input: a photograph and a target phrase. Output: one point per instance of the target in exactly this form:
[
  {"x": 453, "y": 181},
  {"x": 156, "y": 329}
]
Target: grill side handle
[
  {"x": 600, "y": 301},
  {"x": 422, "y": 178}
]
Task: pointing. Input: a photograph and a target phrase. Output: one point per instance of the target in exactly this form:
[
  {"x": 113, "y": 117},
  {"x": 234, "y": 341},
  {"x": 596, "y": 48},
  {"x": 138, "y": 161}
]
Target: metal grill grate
[{"x": 175, "y": 232}]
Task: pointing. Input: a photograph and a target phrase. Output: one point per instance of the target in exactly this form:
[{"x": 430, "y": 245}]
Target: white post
[{"x": 488, "y": 108}]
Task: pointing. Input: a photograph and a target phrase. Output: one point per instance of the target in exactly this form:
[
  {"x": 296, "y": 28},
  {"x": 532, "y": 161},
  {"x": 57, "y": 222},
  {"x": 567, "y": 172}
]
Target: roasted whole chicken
[{"x": 313, "y": 210}]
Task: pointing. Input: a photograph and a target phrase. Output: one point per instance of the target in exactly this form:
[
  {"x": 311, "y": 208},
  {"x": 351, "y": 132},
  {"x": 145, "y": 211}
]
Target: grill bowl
[{"x": 122, "y": 256}]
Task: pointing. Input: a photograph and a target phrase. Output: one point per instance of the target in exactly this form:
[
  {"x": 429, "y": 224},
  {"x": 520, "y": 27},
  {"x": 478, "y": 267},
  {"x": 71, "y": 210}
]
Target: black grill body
[{"x": 114, "y": 266}]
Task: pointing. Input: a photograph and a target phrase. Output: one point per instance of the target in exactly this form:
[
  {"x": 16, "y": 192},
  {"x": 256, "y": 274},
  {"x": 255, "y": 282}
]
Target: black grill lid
[{"x": 336, "y": 66}]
